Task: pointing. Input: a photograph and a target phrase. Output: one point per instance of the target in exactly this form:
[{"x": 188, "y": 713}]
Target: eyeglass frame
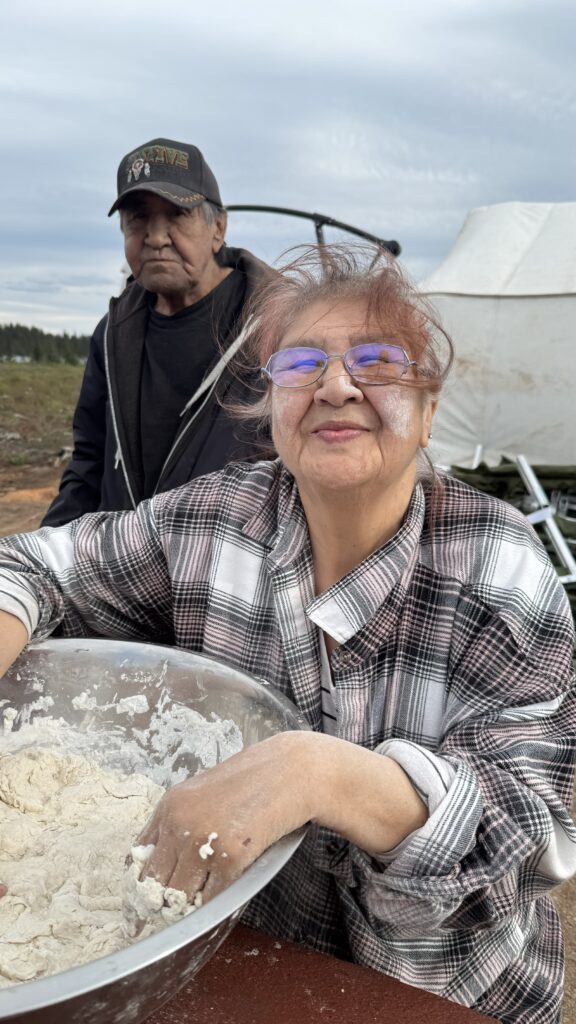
[{"x": 337, "y": 355}]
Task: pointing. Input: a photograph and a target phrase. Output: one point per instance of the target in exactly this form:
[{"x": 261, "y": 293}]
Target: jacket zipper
[{"x": 119, "y": 460}]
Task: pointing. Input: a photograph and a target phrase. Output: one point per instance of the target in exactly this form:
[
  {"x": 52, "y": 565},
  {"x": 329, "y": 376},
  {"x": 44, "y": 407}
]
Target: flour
[
  {"x": 73, "y": 799},
  {"x": 177, "y": 742},
  {"x": 65, "y": 827},
  {"x": 398, "y": 410},
  {"x": 206, "y": 850},
  {"x": 9, "y": 715},
  {"x": 148, "y": 905},
  {"x": 137, "y": 705}
]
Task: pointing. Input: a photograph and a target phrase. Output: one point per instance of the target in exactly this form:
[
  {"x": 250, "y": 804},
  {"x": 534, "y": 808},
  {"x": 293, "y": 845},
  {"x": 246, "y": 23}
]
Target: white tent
[{"x": 507, "y": 295}]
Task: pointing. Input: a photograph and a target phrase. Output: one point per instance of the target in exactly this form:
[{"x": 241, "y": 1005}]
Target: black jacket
[{"x": 104, "y": 472}]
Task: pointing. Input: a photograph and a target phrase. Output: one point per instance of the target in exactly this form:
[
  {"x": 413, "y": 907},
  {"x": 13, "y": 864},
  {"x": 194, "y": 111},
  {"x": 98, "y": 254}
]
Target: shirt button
[{"x": 345, "y": 658}]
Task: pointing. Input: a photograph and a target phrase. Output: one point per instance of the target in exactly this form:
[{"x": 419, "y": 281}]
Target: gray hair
[{"x": 211, "y": 212}]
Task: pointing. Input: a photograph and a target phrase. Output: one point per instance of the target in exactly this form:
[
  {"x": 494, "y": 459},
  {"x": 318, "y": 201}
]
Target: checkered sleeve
[
  {"x": 500, "y": 835},
  {"x": 104, "y": 574}
]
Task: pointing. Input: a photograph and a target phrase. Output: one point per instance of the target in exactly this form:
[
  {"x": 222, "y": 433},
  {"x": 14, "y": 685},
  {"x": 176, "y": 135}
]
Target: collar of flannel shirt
[{"x": 342, "y": 611}]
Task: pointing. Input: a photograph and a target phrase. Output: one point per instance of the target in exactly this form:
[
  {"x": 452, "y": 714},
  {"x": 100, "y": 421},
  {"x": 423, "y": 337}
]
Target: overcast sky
[{"x": 397, "y": 117}]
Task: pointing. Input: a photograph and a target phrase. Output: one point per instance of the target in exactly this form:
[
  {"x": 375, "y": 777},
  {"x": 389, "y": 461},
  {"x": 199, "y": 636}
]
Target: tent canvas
[{"x": 506, "y": 293}]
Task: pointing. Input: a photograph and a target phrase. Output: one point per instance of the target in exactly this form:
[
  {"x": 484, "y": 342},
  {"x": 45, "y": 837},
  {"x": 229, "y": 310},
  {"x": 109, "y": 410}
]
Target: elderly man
[{"x": 149, "y": 416}]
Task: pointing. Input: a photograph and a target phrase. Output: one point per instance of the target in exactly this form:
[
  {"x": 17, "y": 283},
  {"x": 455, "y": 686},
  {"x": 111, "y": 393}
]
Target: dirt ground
[{"x": 26, "y": 491}]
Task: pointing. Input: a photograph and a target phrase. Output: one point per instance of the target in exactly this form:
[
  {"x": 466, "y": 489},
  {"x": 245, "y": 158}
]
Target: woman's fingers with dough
[
  {"x": 222, "y": 873},
  {"x": 149, "y": 834},
  {"x": 3, "y": 890},
  {"x": 161, "y": 864},
  {"x": 206, "y": 867},
  {"x": 211, "y": 827},
  {"x": 162, "y": 860},
  {"x": 190, "y": 874},
  {"x": 177, "y": 861}
]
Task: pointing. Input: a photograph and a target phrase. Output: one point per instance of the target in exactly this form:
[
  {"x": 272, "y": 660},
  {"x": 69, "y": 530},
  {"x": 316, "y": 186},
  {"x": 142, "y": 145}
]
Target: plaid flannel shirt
[{"x": 454, "y": 658}]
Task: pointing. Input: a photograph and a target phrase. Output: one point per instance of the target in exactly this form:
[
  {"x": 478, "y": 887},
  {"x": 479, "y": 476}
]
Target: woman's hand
[{"x": 210, "y": 828}]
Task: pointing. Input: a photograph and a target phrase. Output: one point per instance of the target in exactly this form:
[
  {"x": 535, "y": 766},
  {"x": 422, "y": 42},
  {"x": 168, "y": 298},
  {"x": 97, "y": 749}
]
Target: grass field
[{"x": 36, "y": 404}]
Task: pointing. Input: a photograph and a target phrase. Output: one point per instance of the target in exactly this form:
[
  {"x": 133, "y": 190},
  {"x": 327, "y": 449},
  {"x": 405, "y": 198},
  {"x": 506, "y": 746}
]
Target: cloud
[{"x": 395, "y": 118}]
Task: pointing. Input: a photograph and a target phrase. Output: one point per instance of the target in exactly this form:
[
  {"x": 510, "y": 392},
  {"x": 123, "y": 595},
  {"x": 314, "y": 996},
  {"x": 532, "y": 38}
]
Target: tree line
[{"x": 18, "y": 342}]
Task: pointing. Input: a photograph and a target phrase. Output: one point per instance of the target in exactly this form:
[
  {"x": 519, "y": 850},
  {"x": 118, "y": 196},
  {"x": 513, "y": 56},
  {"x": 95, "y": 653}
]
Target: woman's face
[{"x": 336, "y": 434}]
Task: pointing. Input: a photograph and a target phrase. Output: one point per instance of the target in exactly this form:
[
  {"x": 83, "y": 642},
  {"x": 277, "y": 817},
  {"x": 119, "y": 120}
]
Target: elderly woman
[{"x": 418, "y": 625}]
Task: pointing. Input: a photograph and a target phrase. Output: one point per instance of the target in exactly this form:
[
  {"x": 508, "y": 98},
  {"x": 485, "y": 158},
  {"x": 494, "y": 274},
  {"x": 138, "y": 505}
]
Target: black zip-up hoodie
[{"x": 104, "y": 473}]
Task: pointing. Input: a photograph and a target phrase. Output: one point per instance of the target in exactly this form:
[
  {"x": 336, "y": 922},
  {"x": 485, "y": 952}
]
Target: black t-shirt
[{"x": 179, "y": 351}]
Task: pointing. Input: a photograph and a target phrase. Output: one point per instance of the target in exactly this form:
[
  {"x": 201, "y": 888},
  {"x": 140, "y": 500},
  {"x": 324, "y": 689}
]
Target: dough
[
  {"x": 66, "y": 826},
  {"x": 148, "y": 905}
]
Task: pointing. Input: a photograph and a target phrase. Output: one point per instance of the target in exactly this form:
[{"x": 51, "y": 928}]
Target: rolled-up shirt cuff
[{"x": 430, "y": 775}]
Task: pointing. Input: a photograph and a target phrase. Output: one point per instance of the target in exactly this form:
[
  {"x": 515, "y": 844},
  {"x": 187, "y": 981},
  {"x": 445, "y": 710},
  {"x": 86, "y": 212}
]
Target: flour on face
[{"x": 397, "y": 410}]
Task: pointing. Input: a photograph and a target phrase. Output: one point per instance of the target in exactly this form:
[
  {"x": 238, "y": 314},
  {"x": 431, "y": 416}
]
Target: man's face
[{"x": 170, "y": 250}]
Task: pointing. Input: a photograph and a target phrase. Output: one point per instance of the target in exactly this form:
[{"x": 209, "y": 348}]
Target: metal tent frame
[{"x": 320, "y": 221}]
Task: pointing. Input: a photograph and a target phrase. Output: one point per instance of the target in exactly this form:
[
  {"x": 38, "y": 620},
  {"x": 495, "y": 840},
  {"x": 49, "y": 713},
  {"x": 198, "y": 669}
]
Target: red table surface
[{"x": 255, "y": 979}]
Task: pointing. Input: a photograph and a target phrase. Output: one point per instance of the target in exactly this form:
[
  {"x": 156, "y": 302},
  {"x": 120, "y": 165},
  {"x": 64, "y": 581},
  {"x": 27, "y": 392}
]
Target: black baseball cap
[{"x": 175, "y": 171}]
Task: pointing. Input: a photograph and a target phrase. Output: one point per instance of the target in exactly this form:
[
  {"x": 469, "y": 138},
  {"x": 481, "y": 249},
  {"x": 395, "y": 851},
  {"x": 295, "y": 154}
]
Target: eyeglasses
[{"x": 375, "y": 362}]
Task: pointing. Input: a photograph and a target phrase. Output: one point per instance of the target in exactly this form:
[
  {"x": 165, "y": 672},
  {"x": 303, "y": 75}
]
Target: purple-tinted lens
[
  {"x": 376, "y": 362},
  {"x": 296, "y": 367}
]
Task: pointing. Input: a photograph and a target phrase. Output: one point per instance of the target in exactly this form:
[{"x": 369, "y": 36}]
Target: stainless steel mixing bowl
[{"x": 126, "y": 987}]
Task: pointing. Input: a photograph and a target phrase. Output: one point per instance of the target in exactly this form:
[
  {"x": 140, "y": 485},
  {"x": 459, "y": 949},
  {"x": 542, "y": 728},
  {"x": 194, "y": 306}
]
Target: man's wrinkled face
[{"x": 170, "y": 250}]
